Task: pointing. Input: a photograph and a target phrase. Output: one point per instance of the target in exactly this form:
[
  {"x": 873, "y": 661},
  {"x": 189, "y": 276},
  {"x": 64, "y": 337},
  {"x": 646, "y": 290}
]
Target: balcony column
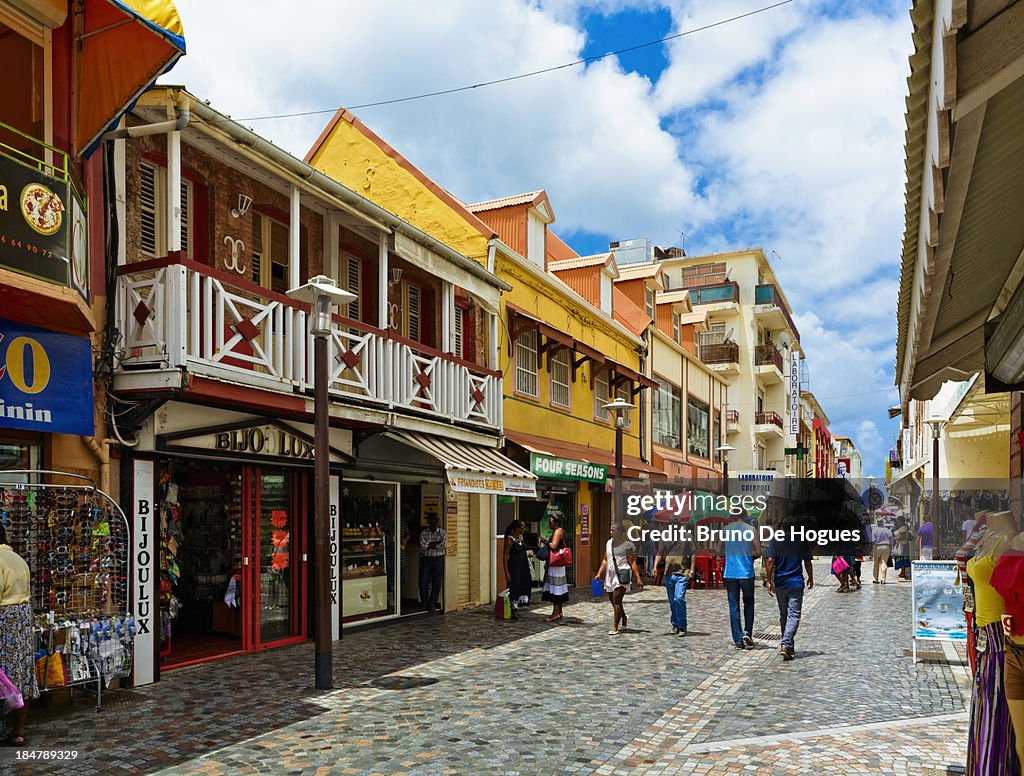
[
  {"x": 492, "y": 342},
  {"x": 382, "y": 282},
  {"x": 174, "y": 192},
  {"x": 447, "y": 303},
  {"x": 294, "y": 240}
]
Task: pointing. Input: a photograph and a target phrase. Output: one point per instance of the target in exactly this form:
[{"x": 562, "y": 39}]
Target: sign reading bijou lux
[
  {"x": 143, "y": 572},
  {"x": 254, "y": 440},
  {"x": 42, "y": 227},
  {"x": 45, "y": 380},
  {"x": 567, "y": 468}
]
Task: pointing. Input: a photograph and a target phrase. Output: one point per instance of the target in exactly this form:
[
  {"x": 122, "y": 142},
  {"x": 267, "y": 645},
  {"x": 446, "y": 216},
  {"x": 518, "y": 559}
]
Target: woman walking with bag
[
  {"x": 16, "y": 633},
  {"x": 617, "y": 569},
  {"x": 556, "y": 587}
]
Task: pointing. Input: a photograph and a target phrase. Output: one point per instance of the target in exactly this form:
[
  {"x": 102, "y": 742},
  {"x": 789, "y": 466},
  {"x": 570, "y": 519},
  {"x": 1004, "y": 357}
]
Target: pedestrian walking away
[
  {"x": 924, "y": 540},
  {"x": 680, "y": 568},
  {"x": 786, "y": 561},
  {"x": 901, "y": 548},
  {"x": 433, "y": 545},
  {"x": 556, "y": 588},
  {"x": 617, "y": 570},
  {"x": 882, "y": 538},
  {"x": 16, "y": 659},
  {"x": 741, "y": 548}
]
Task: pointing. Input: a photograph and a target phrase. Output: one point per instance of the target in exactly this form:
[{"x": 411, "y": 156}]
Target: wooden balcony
[
  {"x": 177, "y": 314},
  {"x": 723, "y": 357},
  {"x": 768, "y": 364},
  {"x": 767, "y": 424}
]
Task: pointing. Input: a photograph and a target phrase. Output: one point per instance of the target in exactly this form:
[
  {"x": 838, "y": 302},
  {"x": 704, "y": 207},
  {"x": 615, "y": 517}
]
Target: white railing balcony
[{"x": 178, "y": 314}]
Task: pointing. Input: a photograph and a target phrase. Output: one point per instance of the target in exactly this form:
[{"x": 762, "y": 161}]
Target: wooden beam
[{"x": 990, "y": 59}]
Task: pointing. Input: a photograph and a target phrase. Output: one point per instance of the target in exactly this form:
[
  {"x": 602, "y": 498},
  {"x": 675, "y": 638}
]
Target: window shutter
[
  {"x": 186, "y": 217},
  {"x": 257, "y": 248},
  {"x": 148, "y": 209},
  {"x": 353, "y": 271},
  {"x": 458, "y": 339},
  {"x": 412, "y": 307}
]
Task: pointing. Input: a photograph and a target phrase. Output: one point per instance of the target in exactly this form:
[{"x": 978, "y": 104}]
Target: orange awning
[{"x": 126, "y": 44}]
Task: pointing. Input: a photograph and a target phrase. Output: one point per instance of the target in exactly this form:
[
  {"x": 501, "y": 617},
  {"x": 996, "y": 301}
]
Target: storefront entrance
[{"x": 233, "y": 541}]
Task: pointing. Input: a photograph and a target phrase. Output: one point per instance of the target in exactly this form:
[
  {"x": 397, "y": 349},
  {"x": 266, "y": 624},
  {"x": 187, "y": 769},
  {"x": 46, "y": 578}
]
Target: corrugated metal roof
[
  {"x": 688, "y": 319},
  {"x": 672, "y": 297},
  {"x": 516, "y": 199},
  {"x": 579, "y": 262},
  {"x": 637, "y": 271}
]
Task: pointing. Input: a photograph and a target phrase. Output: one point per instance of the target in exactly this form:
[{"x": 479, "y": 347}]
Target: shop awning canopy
[
  {"x": 125, "y": 44},
  {"x": 904, "y": 480},
  {"x": 631, "y": 466},
  {"x": 472, "y": 468}
]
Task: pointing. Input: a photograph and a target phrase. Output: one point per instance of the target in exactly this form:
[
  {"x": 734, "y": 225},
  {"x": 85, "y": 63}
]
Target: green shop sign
[{"x": 566, "y": 468}]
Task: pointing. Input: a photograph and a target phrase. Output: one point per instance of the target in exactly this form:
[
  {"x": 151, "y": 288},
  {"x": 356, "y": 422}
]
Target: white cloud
[{"x": 783, "y": 129}]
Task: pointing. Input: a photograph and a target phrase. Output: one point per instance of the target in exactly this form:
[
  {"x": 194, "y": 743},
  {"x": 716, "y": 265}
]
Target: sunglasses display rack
[{"x": 75, "y": 540}]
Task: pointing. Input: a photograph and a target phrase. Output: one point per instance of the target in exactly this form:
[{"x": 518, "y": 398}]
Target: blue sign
[{"x": 45, "y": 380}]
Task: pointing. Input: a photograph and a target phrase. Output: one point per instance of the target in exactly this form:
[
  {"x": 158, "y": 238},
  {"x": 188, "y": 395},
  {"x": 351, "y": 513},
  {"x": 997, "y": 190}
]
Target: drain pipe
[
  {"x": 159, "y": 128},
  {"x": 102, "y": 452}
]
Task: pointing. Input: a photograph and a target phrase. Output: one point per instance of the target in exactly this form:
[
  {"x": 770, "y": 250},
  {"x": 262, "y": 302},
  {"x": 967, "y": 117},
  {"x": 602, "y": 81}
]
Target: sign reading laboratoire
[
  {"x": 143, "y": 572},
  {"x": 464, "y": 481},
  {"x": 794, "y": 392},
  {"x": 938, "y": 601},
  {"x": 567, "y": 469},
  {"x": 45, "y": 380},
  {"x": 42, "y": 227}
]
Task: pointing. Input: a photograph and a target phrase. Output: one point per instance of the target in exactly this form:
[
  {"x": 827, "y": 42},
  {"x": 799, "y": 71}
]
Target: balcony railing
[
  {"x": 181, "y": 314},
  {"x": 732, "y": 417},
  {"x": 769, "y": 294},
  {"x": 765, "y": 355},
  {"x": 716, "y": 294},
  {"x": 767, "y": 418},
  {"x": 722, "y": 353}
]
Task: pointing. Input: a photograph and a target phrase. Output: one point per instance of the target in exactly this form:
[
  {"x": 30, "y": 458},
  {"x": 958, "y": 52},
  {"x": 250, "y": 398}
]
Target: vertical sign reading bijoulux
[
  {"x": 143, "y": 569},
  {"x": 334, "y": 539},
  {"x": 794, "y": 392}
]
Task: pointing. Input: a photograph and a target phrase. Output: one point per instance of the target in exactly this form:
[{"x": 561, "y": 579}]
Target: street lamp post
[
  {"x": 321, "y": 293},
  {"x": 725, "y": 450},
  {"x": 621, "y": 408},
  {"x": 937, "y": 424}
]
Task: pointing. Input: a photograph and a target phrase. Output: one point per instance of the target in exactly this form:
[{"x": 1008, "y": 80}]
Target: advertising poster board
[{"x": 938, "y": 602}]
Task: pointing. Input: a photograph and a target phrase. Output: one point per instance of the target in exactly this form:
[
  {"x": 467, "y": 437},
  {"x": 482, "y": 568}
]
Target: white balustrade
[{"x": 175, "y": 316}]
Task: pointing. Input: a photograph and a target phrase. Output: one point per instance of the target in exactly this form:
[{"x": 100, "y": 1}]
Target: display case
[{"x": 364, "y": 571}]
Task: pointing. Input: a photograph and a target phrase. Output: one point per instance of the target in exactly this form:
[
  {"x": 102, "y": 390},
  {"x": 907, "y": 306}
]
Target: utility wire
[{"x": 531, "y": 74}]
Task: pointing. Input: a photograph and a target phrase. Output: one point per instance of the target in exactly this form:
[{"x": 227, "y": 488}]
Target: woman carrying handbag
[
  {"x": 556, "y": 586},
  {"x": 617, "y": 569}
]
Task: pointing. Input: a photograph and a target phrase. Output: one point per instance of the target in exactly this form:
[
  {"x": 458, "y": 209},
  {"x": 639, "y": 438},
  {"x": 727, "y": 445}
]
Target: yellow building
[{"x": 564, "y": 349}]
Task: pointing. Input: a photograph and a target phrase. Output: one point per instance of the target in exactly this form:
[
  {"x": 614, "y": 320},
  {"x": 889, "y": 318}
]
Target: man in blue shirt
[
  {"x": 786, "y": 561},
  {"x": 740, "y": 545}
]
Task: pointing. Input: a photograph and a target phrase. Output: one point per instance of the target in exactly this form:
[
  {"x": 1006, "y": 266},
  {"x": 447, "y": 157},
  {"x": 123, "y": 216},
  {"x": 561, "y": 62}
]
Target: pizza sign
[{"x": 42, "y": 226}]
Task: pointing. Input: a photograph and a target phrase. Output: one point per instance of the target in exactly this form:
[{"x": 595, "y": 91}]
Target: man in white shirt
[
  {"x": 433, "y": 544},
  {"x": 967, "y": 526}
]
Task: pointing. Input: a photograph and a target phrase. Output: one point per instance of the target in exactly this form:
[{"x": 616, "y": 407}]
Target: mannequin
[
  {"x": 1008, "y": 579},
  {"x": 962, "y": 555},
  {"x": 991, "y": 747}
]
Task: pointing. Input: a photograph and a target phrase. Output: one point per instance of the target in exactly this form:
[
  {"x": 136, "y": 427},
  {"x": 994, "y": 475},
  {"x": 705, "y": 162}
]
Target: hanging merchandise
[
  {"x": 171, "y": 538},
  {"x": 74, "y": 539}
]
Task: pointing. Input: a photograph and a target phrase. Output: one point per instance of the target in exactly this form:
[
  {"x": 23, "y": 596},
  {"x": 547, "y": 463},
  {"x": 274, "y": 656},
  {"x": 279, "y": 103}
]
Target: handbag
[
  {"x": 10, "y": 695},
  {"x": 543, "y": 552},
  {"x": 624, "y": 575},
  {"x": 840, "y": 566},
  {"x": 561, "y": 557}
]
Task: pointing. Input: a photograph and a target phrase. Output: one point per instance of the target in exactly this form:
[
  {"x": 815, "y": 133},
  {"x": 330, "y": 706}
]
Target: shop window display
[{"x": 368, "y": 575}]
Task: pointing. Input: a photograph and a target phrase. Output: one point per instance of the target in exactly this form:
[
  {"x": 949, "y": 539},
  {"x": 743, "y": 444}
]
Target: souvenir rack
[{"x": 75, "y": 540}]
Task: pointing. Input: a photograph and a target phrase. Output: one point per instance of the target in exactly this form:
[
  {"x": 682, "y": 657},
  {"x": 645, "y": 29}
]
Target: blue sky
[{"x": 783, "y": 130}]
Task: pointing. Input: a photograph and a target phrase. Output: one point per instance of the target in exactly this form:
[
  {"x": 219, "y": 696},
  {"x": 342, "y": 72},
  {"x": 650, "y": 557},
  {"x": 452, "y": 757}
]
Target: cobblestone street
[{"x": 462, "y": 694}]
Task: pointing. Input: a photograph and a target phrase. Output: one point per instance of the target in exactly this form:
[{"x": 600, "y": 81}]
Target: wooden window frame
[
  {"x": 517, "y": 366},
  {"x": 564, "y": 356}
]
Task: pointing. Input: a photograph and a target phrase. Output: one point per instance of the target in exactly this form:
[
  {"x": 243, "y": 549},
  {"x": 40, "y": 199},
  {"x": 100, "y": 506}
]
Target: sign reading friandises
[
  {"x": 567, "y": 468},
  {"x": 42, "y": 226},
  {"x": 248, "y": 440},
  {"x": 463, "y": 481}
]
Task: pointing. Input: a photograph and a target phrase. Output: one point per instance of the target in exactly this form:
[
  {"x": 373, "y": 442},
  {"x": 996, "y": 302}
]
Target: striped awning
[{"x": 472, "y": 468}]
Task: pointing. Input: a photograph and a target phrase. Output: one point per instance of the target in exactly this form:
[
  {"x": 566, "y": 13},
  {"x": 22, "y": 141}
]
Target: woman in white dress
[
  {"x": 556, "y": 587},
  {"x": 617, "y": 569}
]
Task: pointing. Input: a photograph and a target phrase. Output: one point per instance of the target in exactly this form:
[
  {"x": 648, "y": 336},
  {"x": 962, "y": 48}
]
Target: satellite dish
[{"x": 785, "y": 340}]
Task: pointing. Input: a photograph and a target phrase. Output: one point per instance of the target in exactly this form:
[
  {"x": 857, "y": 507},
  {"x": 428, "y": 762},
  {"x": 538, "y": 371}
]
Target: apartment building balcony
[
  {"x": 768, "y": 365},
  {"x": 722, "y": 358},
  {"x": 732, "y": 422},
  {"x": 178, "y": 316},
  {"x": 768, "y": 425},
  {"x": 772, "y": 311},
  {"x": 717, "y": 298}
]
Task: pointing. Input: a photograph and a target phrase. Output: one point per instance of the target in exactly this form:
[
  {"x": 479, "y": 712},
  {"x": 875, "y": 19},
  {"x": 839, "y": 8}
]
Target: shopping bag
[
  {"x": 503, "y": 606},
  {"x": 840, "y": 566},
  {"x": 10, "y": 696},
  {"x": 597, "y": 588},
  {"x": 50, "y": 671}
]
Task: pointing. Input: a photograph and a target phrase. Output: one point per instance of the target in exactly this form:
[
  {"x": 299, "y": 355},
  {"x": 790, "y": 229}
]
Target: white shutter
[
  {"x": 148, "y": 204},
  {"x": 526, "y": 363},
  {"x": 353, "y": 274},
  {"x": 462, "y": 531},
  {"x": 558, "y": 365},
  {"x": 457, "y": 339}
]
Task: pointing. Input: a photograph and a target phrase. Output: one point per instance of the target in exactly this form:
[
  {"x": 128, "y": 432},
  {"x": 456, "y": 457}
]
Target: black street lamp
[
  {"x": 321, "y": 294},
  {"x": 725, "y": 450},
  {"x": 621, "y": 408},
  {"x": 937, "y": 425}
]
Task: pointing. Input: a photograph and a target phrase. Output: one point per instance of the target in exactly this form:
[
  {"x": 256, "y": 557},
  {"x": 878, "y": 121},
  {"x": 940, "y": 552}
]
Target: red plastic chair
[
  {"x": 704, "y": 563},
  {"x": 718, "y": 571}
]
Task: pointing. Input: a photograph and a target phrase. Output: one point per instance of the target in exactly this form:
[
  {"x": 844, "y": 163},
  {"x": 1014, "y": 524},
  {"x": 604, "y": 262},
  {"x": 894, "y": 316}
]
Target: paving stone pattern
[{"x": 463, "y": 694}]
